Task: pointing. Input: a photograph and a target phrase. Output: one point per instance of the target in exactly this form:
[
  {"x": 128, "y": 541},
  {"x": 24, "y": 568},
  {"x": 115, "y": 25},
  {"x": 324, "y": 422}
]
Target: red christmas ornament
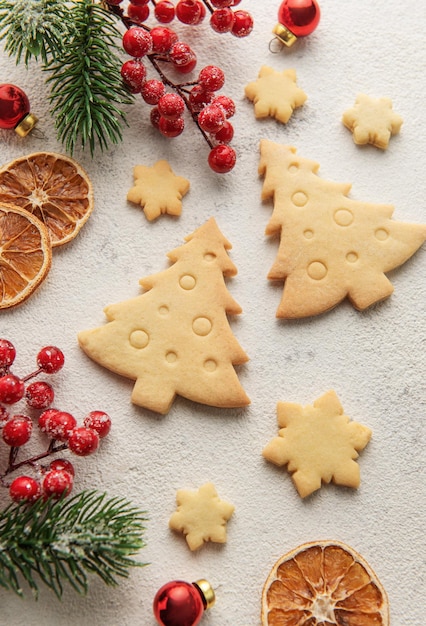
[
  {"x": 179, "y": 603},
  {"x": 297, "y": 18},
  {"x": 15, "y": 110}
]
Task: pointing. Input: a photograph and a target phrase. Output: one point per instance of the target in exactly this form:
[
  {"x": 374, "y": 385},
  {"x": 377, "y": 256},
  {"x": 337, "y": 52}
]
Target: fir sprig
[
  {"x": 86, "y": 86},
  {"x": 65, "y": 540},
  {"x": 35, "y": 28}
]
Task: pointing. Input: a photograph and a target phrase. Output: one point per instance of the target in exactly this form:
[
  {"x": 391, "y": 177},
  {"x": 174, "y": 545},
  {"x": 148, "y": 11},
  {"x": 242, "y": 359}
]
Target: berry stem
[{"x": 32, "y": 461}]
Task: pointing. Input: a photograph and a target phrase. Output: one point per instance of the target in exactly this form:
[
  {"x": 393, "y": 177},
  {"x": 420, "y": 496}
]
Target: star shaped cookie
[
  {"x": 275, "y": 94},
  {"x": 318, "y": 443},
  {"x": 201, "y": 516},
  {"x": 158, "y": 190},
  {"x": 372, "y": 120}
]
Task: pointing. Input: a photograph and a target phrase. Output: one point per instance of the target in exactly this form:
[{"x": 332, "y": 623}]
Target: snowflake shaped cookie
[
  {"x": 275, "y": 94},
  {"x": 372, "y": 120},
  {"x": 158, "y": 190},
  {"x": 201, "y": 516},
  {"x": 318, "y": 443}
]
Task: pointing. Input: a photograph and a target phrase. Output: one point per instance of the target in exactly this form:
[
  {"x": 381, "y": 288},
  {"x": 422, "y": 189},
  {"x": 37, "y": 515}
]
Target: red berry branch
[
  {"x": 160, "y": 45},
  {"x": 60, "y": 427}
]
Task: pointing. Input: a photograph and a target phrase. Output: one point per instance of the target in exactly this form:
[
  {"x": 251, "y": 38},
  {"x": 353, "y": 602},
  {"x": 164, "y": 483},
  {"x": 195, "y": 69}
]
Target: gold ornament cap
[
  {"x": 26, "y": 125},
  {"x": 284, "y": 35},
  {"x": 207, "y": 592}
]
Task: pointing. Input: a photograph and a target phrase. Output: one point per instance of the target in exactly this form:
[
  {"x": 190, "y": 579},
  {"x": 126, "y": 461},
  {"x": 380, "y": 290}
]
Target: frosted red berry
[
  {"x": 137, "y": 42},
  {"x": 211, "y": 78},
  {"x": 222, "y": 20},
  {"x": 211, "y": 118},
  {"x": 17, "y": 431},
  {"x": 162, "y": 39},
  {"x": 7, "y": 354},
  {"x": 99, "y": 422},
  {"x": 138, "y": 14},
  {"x": 152, "y": 91},
  {"x": 222, "y": 159},
  {"x": 39, "y": 395},
  {"x": 50, "y": 359},
  {"x": 24, "y": 489},
  {"x": 140, "y": 3},
  {"x": 155, "y": 117},
  {"x": 220, "y": 4},
  {"x": 57, "y": 483},
  {"x": 188, "y": 12},
  {"x": 171, "y": 128},
  {"x": 181, "y": 54},
  {"x": 83, "y": 441},
  {"x": 187, "y": 67},
  {"x": 225, "y": 134},
  {"x": 59, "y": 425},
  {"x": 62, "y": 465},
  {"x": 199, "y": 98},
  {"x": 133, "y": 73},
  {"x": 243, "y": 24},
  {"x": 44, "y": 417},
  {"x": 227, "y": 104},
  {"x": 164, "y": 11},
  {"x": 12, "y": 389},
  {"x": 171, "y": 106}
]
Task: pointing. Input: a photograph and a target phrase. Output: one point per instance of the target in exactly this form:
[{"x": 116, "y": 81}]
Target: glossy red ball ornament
[
  {"x": 15, "y": 110},
  {"x": 179, "y": 603},
  {"x": 297, "y": 18}
]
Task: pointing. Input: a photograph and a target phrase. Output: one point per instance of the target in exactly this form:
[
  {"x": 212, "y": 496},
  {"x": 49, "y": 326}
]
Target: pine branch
[
  {"x": 86, "y": 85},
  {"x": 65, "y": 540},
  {"x": 35, "y": 28}
]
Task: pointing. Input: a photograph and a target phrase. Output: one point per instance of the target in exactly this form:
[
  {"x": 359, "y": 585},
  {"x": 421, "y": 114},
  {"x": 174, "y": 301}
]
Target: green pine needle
[
  {"x": 63, "y": 541},
  {"x": 35, "y": 28},
  {"x": 86, "y": 85}
]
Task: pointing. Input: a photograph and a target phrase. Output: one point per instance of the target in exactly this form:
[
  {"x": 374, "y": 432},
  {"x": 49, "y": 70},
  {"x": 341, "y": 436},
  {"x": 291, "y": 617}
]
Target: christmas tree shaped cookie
[
  {"x": 331, "y": 247},
  {"x": 175, "y": 338}
]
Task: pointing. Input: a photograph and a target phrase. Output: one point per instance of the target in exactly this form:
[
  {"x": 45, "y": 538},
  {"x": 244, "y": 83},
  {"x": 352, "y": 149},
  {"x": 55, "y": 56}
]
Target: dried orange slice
[
  {"x": 53, "y": 187},
  {"x": 323, "y": 584},
  {"x": 25, "y": 254}
]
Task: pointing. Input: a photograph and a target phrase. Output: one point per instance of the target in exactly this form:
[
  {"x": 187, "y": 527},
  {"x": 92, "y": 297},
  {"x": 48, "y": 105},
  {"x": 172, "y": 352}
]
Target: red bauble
[
  {"x": 179, "y": 603},
  {"x": 15, "y": 110},
  {"x": 297, "y": 18}
]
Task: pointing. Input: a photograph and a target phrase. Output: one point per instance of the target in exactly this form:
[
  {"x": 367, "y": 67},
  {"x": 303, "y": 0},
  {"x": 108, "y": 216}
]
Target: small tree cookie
[
  {"x": 175, "y": 338},
  {"x": 331, "y": 247},
  {"x": 318, "y": 443},
  {"x": 275, "y": 94}
]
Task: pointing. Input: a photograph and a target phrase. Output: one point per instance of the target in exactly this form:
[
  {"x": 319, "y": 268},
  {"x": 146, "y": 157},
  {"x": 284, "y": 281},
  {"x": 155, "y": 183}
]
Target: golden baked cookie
[
  {"x": 275, "y": 94},
  {"x": 372, "y": 120}
]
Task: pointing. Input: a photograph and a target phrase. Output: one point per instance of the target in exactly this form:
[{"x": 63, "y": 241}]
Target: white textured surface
[{"x": 374, "y": 360}]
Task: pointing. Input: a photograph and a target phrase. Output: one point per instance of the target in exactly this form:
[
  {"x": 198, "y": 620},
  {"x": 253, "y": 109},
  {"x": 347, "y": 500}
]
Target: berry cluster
[
  {"x": 211, "y": 112},
  {"x": 61, "y": 428}
]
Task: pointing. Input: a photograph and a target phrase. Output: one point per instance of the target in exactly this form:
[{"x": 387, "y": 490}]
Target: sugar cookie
[{"x": 275, "y": 94}]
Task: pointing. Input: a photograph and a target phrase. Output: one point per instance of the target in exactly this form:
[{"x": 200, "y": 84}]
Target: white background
[{"x": 374, "y": 360}]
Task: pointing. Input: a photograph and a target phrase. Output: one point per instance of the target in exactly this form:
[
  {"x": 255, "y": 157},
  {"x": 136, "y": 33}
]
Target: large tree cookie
[
  {"x": 201, "y": 516},
  {"x": 372, "y": 120},
  {"x": 158, "y": 190},
  {"x": 275, "y": 94},
  {"x": 331, "y": 247},
  {"x": 318, "y": 443},
  {"x": 175, "y": 338}
]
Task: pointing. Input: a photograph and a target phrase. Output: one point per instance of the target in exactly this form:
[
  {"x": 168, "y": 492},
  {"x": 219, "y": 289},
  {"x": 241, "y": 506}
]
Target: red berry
[
  {"x": 137, "y": 42},
  {"x": 171, "y": 128},
  {"x": 24, "y": 489},
  {"x": 62, "y": 464},
  {"x": 59, "y": 425},
  {"x": 39, "y": 395},
  {"x": 235, "y": 2},
  {"x": 138, "y": 14},
  {"x": 164, "y": 11},
  {"x": 188, "y": 11},
  {"x": 12, "y": 389},
  {"x": 171, "y": 106},
  {"x": 243, "y": 24},
  {"x": 57, "y": 483},
  {"x": 222, "y": 20},
  {"x": 202, "y": 11},
  {"x": 162, "y": 39},
  {"x": 180, "y": 54},
  {"x": 225, "y": 134},
  {"x": 211, "y": 78},
  {"x": 98, "y": 421},
  {"x": 187, "y": 67},
  {"x": 133, "y": 73},
  {"x": 17, "y": 431},
  {"x": 44, "y": 417},
  {"x": 155, "y": 117},
  {"x": 7, "y": 353},
  {"x": 199, "y": 97},
  {"x": 227, "y": 104},
  {"x": 83, "y": 441},
  {"x": 140, "y": 3},
  {"x": 50, "y": 359},
  {"x": 220, "y": 4},
  {"x": 211, "y": 118},
  {"x": 152, "y": 91},
  {"x": 222, "y": 159}
]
